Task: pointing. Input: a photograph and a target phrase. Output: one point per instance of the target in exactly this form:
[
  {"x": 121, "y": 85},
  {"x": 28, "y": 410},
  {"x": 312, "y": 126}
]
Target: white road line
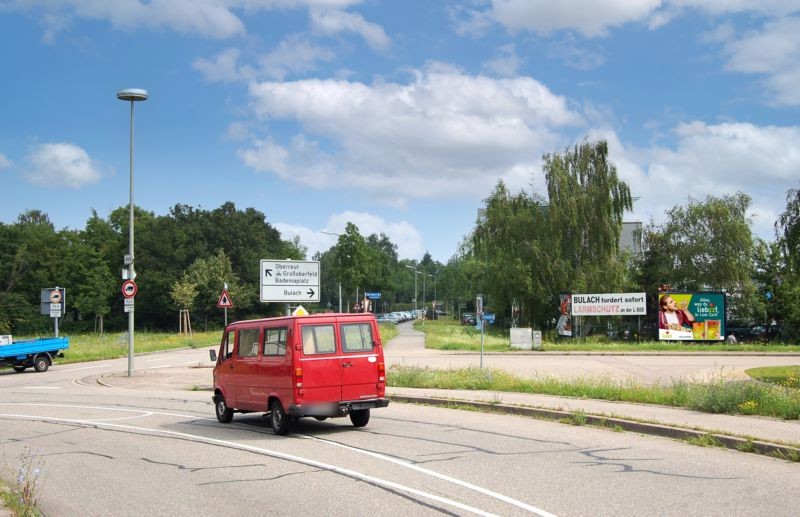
[
  {"x": 403, "y": 463},
  {"x": 267, "y": 452},
  {"x": 76, "y": 369},
  {"x": 41, "y": 388}
]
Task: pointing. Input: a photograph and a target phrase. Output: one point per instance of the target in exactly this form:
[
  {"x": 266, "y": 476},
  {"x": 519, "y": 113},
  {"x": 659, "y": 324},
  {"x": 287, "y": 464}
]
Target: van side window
[
  {"x": 248, "y": 342},
  {"x": 275, "y": 341},
  {"x": 357, "y": 337},
  {"x": 318, "y": 339},
  {"x": 227, "y": 347}
]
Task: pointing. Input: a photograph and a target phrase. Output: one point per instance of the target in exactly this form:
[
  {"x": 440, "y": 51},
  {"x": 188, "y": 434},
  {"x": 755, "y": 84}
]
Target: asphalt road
[{"x": 157, "y": 450}]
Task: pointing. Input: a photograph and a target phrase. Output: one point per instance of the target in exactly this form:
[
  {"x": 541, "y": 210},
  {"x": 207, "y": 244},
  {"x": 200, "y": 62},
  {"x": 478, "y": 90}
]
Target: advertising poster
[
  {"x": 609, "y": 304},
  {"x": 691, "y": 316},
  {"x": 564, "y": 325}
]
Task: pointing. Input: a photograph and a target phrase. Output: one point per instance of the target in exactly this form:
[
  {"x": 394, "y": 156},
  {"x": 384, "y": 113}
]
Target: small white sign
[
  {"x": 129, "y": 308},
  {"x": 128, "y": 301}
]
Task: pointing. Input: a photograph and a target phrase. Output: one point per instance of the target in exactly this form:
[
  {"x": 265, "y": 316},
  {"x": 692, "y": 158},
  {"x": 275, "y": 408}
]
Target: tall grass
[{"x": 715, "y": 396}]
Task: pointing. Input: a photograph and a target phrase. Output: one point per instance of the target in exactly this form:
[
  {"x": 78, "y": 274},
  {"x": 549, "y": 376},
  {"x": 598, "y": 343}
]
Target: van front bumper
[{"x": 333, "y": 409}]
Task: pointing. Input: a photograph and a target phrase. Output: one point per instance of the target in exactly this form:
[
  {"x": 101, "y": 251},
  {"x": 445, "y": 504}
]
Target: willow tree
[
  {"x": 533, "y": 248},
  {"x": 587, "y": 202}
]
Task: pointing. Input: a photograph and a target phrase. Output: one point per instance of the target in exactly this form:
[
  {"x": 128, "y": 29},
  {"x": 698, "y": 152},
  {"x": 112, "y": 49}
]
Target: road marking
[
  {"x": 76, "y": 369},
  {"x": 464, "y": 484},
  {"x": 267, "y": 452},
  {"x": 41, "y": 387},
  {"x": 161, "y": 359}
]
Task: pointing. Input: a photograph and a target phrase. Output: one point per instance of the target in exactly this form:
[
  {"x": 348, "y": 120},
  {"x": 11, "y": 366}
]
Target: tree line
[
  {"x": 530, "y": 247},
  {"x": 525, "y": 249}
]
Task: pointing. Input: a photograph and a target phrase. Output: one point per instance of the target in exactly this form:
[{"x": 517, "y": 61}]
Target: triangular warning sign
[
  {"x": 224, "y": 300},
  {"x": 300, "y": 311}
]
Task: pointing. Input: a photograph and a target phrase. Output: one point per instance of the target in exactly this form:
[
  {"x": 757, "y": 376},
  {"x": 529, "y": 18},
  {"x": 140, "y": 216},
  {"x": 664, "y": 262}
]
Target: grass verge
[
  {"x": 445, "y": 334},
  {"x": 714, "y": 396}
]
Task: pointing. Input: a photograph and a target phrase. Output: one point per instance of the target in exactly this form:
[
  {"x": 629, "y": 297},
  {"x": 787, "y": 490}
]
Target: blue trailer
[{"x": 35, "y": 353}]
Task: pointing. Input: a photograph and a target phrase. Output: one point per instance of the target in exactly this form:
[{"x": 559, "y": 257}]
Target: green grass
[
  {"x": 94, "y": 347},
  {"x": 788, "y": 376},
  {"x": 447, "y": 334},
  {"x": 716, "y": 396}
]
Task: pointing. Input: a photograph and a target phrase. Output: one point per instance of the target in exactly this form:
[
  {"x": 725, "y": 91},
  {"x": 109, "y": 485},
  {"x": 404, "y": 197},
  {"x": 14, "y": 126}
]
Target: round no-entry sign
[{"x": 128, "y": 289}]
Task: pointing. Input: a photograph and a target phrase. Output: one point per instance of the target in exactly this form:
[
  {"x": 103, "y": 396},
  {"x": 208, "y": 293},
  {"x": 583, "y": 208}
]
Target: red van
[{"x": 323, "y": 365}]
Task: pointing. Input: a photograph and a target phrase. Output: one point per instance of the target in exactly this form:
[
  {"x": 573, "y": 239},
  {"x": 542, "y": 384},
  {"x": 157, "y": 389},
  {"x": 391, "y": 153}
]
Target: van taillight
[
  {"x": 298, "y": 377},
  {"x": 381, "y": 372}
]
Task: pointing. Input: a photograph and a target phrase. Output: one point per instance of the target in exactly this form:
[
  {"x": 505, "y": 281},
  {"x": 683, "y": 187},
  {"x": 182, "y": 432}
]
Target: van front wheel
[
  {"x": 224, "y": 413},
  {"x": 359, "y": 417},
  {"x": 278, "y": 419}
]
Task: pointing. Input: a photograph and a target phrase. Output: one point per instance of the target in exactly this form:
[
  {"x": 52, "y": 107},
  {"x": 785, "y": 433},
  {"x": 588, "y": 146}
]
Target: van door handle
[{"x": 347, "y": 365}]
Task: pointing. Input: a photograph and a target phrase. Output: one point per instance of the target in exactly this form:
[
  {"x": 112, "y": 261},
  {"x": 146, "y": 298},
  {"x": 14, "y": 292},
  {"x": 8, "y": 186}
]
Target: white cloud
[
  {"x": 224, "y": 67},
  {"x": 334, "y": 21},
  {"x": 453, "y": 132},
  {"x": 773, "y": 52},
  {"x": 714, "y": 160},
  {"x": 589, "y": 17},
  {"x": 294, "y": 55},
  {"x": 206, "y": 17},
  {"x": 506, "y": 63},
  {"x": 61, "y": 165},
  {"x": 4, "y": 162},
  {"x": 403, "y": 234},
  {"x": 211, "y": 18}
]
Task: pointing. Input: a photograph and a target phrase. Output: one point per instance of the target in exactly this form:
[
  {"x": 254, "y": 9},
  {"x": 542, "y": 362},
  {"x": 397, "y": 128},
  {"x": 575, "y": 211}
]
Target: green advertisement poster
[{"x": 691, "y": 316}]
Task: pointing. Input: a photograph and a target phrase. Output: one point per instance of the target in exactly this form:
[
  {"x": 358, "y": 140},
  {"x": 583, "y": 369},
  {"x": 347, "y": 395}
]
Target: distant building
[{"x": 631, "y": 237}]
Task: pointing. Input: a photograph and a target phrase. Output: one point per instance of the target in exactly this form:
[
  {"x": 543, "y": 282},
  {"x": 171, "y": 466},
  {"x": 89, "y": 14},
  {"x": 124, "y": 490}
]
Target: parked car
[{"x": 468, "y": 318}]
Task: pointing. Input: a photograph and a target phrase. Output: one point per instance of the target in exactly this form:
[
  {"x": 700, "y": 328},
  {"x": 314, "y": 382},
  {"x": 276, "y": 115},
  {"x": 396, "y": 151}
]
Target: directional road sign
[{"x": 289, "y": 281}]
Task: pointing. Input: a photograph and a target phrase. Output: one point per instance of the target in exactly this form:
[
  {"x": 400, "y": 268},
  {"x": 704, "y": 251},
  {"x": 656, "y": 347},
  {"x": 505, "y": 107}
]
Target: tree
[
  {"x": 353, "y": 262},
  {"x": 705, "y": 246},
  {"x": 531, "y": 249},
  {"x": 787, "y": 276},
  {"x": 183, "y": 293}
]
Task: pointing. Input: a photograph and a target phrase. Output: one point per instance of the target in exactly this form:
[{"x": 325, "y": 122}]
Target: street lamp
[
  {"x": 132, "y": 95},
  {"x": 415, "y": 286},
  {"x": 340, "y": 265},
  {"x": 424, "y": 276}
]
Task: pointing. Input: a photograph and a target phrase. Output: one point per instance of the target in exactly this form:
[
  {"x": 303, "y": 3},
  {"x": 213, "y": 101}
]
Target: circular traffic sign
[
  {"x": 55, "y": 296},
  {"x": 129, "y": 289}
]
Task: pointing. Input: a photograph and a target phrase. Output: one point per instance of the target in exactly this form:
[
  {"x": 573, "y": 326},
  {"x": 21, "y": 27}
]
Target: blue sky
[{"x": 399, "y": 116}]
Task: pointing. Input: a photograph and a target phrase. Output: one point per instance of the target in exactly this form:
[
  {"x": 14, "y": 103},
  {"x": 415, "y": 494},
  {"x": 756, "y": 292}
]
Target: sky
[{"x": 397, "y": 115}]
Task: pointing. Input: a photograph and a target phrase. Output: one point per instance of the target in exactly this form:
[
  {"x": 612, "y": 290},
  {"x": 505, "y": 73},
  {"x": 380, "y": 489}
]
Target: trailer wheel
[
  {"x": 19, "y": 368},
  {"x": 41, "y": 363},
  {"x": 224, "y": 413},
  {"x": 359, "y": 417},
  {"x": 278, "y": 420}
]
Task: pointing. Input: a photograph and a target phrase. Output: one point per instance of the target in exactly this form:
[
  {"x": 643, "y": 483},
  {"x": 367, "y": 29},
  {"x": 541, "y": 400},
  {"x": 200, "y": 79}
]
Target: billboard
[
  {"x": 564, "y": 325},
  {"x": 691, "y": 316},
  {"x": 613, "y": 304}
]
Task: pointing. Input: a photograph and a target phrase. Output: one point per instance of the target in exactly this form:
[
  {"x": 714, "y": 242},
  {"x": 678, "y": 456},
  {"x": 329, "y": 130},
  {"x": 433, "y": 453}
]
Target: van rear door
[
  {"x": 320, "y": 364},
  {"x": 360, "y": 360}
]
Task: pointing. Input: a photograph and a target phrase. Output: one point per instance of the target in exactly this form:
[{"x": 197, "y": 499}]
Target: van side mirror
[{"x": 212, "y": 354}]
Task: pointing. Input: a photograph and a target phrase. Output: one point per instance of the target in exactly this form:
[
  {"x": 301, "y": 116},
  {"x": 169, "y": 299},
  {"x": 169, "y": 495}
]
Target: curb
[{"x": 666, "y": 431}]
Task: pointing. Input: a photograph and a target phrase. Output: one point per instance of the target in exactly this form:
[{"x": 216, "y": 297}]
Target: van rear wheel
[
  {"x": 359, "y": 417},
  {"x": 224, "y": 413},
  {"x": 278, "y": 419}
]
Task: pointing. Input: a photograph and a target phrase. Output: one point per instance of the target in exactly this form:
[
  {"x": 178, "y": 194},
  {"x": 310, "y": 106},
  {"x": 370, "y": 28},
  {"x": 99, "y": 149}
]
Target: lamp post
[
  {"x": 340, "y": 265},
  {"x": 423, "y": 291},
  {"x": 132, "y": 95},
  {"x": 415, "y": 286}
]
